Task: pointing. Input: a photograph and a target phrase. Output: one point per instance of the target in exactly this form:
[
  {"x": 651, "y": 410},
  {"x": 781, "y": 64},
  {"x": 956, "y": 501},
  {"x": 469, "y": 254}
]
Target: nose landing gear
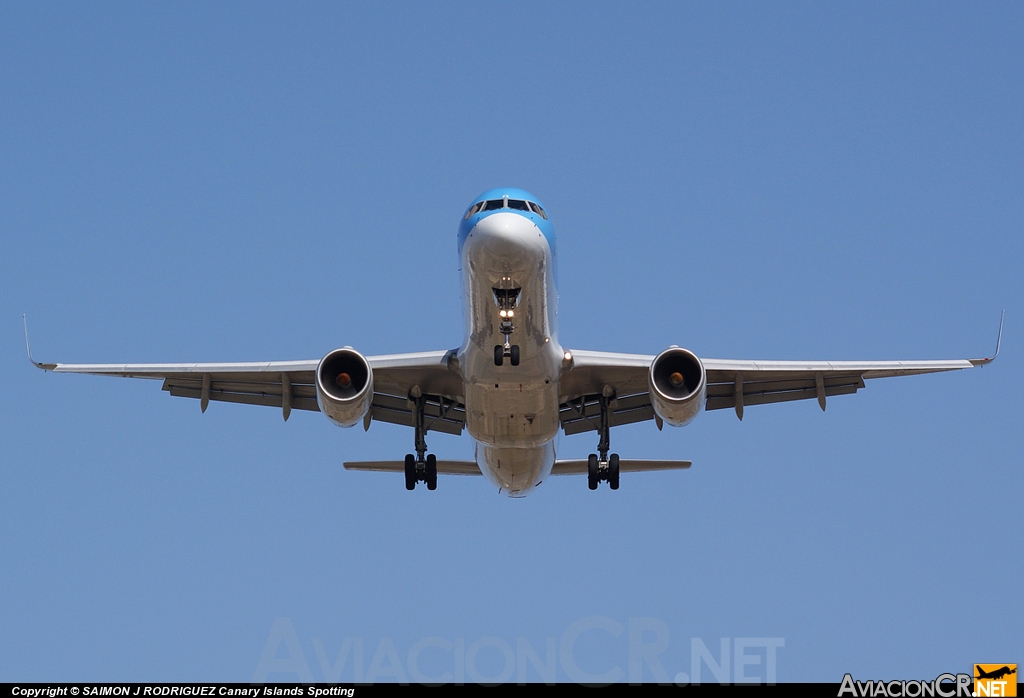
[
  {"x": 506, "y": 300},
  {"x": 509, "y": 350}
]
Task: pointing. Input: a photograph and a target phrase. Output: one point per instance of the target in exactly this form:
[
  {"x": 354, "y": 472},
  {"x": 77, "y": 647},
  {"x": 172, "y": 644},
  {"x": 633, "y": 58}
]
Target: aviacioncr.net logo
[{"x": 943, "y": 686}]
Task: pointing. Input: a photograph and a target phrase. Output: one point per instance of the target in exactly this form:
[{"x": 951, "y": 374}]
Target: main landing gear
[
  {"x": 422, "y": 467},
  {"x": 600, "y": 466},
  {"x": 420, "y": 471}
]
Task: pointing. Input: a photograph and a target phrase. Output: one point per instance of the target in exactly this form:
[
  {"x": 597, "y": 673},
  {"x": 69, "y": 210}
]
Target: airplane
[
  {"x": 996, "y": 674},
  {"x": 511, "y": 384}
]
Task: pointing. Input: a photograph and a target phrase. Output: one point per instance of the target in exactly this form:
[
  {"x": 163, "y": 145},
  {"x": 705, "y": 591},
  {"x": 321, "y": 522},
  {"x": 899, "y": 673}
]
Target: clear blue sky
[{"x": 227, "y": 182}]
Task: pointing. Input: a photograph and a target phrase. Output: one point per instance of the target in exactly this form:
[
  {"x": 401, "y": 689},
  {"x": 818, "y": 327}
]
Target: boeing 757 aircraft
[{"x": 511, "y": 384}]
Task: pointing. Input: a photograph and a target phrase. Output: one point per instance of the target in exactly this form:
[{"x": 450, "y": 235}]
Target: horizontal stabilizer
[
  {"x": 444, "y": 467},
  {"x": 579, "y": 467},
  {"x": 562, "y": 467}
]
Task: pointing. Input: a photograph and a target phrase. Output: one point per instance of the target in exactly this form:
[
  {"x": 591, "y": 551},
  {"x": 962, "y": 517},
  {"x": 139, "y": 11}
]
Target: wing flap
[
  {"x": 256, "y": 389},
  {"x": 264, "y": 399},
  {"x": 439, "y": 413},
  {"x": 584, "y": 413},
  {"x": 267, "y": 387},
  {"x": 722, "y": 395},
  {"x": 765, "y": 398}
]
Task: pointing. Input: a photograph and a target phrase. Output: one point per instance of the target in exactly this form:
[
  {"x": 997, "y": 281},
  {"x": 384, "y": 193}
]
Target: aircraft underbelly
[
  {"x": 516, "y": 471},
  {"x": 511, "y": 411},
  {"x": 516, "y": 415}
]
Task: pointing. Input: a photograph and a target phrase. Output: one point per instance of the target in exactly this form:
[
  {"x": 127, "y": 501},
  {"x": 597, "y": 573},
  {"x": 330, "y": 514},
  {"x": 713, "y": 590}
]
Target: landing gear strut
[
  {"x": 422, "y": 467},
  {"x": 507, "y": 300},
  {"x": 600, "y": 466}
]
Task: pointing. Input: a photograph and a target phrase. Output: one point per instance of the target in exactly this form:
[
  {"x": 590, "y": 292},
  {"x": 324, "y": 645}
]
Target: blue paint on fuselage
[{"x": 543, "y": 224}]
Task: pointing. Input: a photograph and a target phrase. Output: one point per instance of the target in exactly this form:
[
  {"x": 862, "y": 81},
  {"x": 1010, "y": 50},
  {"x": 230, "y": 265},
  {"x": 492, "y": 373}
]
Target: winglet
[
  {"x": 999, "y": 341},
  {"x": 45, "y": 367}
]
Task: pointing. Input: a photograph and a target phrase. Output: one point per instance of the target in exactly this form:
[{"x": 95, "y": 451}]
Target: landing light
[
  {"x": 568, "y": 356},
  {"x": 503, "y": 313},
  {"x": 511, "y": 313}
]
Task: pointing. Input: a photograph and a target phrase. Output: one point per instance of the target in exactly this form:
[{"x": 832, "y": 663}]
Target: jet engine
[
  {"x": 678, "y": 385},
  {"x": 344, "y": 386}
]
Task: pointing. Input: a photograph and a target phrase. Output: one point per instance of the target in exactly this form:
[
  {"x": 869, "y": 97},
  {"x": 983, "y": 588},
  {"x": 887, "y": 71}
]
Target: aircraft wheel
[
  {"x": 515, "y": 355},
  {"x": 431, "y": 472},
  {"x": 592, "y": 476},
  {"x": 613, "y": 471},
  {"x": 410, "y": 472},
  {"x": 499, "y": 355}
]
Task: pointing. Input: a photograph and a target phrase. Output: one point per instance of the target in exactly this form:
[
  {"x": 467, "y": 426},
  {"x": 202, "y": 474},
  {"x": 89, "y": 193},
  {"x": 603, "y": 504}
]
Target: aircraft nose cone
[{"x": 505, "y": 236}]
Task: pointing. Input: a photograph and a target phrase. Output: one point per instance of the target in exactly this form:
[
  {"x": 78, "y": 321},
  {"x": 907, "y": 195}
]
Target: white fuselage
[{"x": 511, "y": 411}]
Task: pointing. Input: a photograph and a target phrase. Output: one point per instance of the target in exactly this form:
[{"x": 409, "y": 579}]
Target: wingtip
[
  {"x": 28, "y": 348},
  {"x": 999, "y": 342}
]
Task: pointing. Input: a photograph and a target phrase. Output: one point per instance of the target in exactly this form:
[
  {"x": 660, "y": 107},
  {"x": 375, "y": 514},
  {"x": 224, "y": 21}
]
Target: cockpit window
[
  {"x": 475, "y": 208},
  {"x": 497, "y": 204}
]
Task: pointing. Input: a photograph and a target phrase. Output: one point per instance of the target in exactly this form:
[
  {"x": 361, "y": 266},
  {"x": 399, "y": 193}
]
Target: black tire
[
  {"x": 431, "y": 472},
  {"x": 592, "y": 476},
  {"x": 499, "y": 355},
  {"x": 515, "y": 355},
  {"x": 410, "y": 472},
  {"x": 613, "y": 471}
]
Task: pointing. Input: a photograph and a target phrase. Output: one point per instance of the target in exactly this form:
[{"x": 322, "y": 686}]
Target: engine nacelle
[
  {"x": 678, "y": 385},
  {"x": 344, "y": 386}
]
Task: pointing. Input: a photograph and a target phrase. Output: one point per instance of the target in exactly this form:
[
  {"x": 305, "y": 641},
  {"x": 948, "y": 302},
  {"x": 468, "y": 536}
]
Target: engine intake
[
  {"x": 678, "y": 385},
  {"x": 344, "y": 386}
]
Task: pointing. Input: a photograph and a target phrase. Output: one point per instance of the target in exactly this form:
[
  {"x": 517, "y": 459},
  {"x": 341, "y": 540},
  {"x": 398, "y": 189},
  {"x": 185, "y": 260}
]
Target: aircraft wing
[
  {"x": 290, "y": 385},
  {"x": 731, "y": 383}
]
